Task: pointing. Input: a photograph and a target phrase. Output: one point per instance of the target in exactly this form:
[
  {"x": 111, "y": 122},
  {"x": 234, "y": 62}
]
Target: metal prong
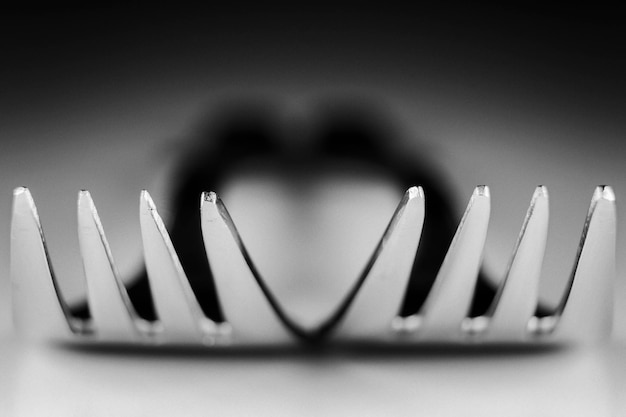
[
  {"x": 39, "y": 312},
  {"x": 386, "y": 275},
  {"x": 449, "y": 300},
  {"x": 246, "y": 304},
  {"x": 586, "y": 310},
  {"x": 176, "y": 305},
  {"x": 516, "y": 299},
  {"x": 112, "y": 312}
]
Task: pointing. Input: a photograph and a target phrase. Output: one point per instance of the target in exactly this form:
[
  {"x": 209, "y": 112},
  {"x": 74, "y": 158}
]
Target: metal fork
[{"x": 369, "y": 312}]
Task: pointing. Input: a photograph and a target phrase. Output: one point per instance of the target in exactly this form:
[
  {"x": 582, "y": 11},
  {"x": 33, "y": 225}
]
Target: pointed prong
[
  {"x": 586, "y": 310},
  {"x": 386, "y": 275},
  {"x": 449, "y": 300},
  {"x": 245, "y": 303},
  {"x": 113, "y": 315},
  {"x": 516, "y": 300},
  {"x": 176, "y": 305},
  {"x": 39, "y": 312}
]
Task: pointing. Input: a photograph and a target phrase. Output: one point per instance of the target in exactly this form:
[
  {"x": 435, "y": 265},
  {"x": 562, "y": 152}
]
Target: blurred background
[{"x": 111, "y": 100}]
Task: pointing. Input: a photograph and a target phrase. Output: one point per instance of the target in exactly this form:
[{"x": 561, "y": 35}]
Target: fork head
[{"x": 369, "y": 311}]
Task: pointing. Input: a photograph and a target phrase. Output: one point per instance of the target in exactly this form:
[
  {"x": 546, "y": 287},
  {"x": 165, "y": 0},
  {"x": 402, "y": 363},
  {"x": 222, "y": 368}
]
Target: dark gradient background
[{"x": 512, "y": 97}]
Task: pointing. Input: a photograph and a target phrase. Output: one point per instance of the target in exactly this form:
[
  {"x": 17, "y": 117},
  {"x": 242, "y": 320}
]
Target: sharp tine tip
[
  {"x": 84, "y": 195},
  {"x": 22, "y": 194},
  {"x": 415, "y": 192},
  {"x": 607, "y": 192},
  {"x": 20, "y": 190},
  {"x": 482, "y": 191},
  {"x": 85, "y": 200},
  {"x": 541, "y": 191},
  {"x": 209, "y": 197},
  {"x": 147, "y": 200}
]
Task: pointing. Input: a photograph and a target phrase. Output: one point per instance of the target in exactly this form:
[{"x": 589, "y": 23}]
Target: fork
[{"x": 369, "y": 311}]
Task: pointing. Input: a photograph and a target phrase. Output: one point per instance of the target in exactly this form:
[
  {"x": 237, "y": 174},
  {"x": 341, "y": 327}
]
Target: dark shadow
[{"x": 319, "y": 352}]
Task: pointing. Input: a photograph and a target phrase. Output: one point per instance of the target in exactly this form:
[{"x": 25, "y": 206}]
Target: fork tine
[
  {"x": 369, "y": 311},
  {"x": 516, "y": 300},
  {"x": 39, "y": 311},
  {"x": 450, "y": 297},
  {"x": 586, "y": 310},
  {"x": 386, "y": 276},
  {"x": 176, "y": 305},
  {"x": 113, "y": 315},
  {"x": 245, "y": 303}
]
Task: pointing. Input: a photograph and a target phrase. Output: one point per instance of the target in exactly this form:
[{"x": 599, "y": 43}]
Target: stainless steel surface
[
  {"x": 114, "y": 317},
  {"x": 376, "y": 304},
  {"x": 38, "y": 310},
  {"x": 246, "y": 308},
  {"x": 449, "y": 300},
  {"x": 178, "y": 310},
  {"x": 516, "y": 300},
  {"x": 593, "y": 277},
  {"x": 254, "y": 316}
]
